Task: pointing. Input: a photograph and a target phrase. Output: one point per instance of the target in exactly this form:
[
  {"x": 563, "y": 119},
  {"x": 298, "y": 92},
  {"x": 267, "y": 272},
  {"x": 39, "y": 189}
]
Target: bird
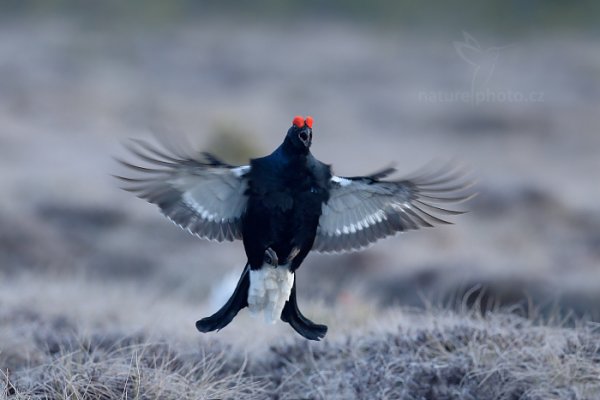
[{"x": 283, "y": 206}]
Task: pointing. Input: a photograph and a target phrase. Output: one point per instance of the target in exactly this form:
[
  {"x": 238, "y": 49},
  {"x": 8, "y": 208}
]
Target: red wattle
[
  {"x": 309, "y": 121},
  {"x": 298, "y": 121}
]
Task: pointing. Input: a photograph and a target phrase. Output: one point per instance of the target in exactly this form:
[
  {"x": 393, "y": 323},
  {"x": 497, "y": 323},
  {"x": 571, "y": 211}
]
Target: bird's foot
[
  {"x": 295, "y": 251},
  {"x": 271, "y": 257}
]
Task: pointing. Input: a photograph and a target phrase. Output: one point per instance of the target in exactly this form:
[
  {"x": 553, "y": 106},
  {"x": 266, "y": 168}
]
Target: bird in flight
[{"x": 282, "y": 206}]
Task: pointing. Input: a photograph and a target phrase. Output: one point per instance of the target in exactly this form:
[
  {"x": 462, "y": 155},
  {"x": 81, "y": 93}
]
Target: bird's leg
[
  {"x": 271, "y": 257},
  {"x": 295, "y": 251}
]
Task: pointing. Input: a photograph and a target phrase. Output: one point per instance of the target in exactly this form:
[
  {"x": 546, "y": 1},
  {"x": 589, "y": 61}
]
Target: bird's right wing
[
  {"x": 362, "y": 210},
  {"x": 199, "y": 193}
]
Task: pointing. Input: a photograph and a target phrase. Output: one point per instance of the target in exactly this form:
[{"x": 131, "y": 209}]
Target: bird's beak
[{"x": 306, "y": 137}]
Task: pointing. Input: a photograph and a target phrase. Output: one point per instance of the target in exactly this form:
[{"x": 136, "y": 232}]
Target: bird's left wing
[
  {"x": 199, "y": 193},
  {"x": 362, "y": 210}
]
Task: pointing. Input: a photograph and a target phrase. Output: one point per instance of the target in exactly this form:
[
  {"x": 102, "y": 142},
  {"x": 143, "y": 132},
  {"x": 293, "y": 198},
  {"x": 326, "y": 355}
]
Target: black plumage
[
  {"x": 286, "y": 190},
  {"x": 283, "y": 206}
]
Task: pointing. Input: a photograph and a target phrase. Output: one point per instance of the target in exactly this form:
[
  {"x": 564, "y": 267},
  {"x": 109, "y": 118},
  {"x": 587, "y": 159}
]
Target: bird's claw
[
  {"x": 271, "y": 257},
  {"x": 295, "y": 251}
]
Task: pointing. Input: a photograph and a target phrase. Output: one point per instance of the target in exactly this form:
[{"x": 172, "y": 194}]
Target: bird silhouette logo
[{"x": 483, "y": 60}]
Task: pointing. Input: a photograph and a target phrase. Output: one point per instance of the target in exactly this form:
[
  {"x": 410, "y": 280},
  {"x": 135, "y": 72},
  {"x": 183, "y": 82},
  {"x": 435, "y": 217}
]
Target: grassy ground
[{"x": 62, "y": 350}]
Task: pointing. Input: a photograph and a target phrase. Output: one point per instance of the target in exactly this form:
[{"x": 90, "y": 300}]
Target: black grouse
[{"x": 283, "y": 206}]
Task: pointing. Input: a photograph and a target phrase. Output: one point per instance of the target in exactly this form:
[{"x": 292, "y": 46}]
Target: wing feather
[
  {"x": 362, "y": 210},
  {"x": 201, "y": 194}
]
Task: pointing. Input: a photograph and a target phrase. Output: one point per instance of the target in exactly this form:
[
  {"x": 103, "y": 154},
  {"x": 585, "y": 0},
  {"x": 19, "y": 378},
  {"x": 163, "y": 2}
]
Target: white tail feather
[{"x": 270, "y": 288}]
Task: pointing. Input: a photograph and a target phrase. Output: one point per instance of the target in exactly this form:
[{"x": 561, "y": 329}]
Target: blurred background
[{"x": 511, "y": 89}]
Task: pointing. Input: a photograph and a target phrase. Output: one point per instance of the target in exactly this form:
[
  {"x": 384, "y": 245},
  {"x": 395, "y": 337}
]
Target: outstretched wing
[
  {"x": 362, "y": 210},
  {"x": 199, "y": 193}
]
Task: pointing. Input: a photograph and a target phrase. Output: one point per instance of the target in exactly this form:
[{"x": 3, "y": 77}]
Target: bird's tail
[
  {"x": 305, "y": 327},
  {"x": 237, "y": 301}
]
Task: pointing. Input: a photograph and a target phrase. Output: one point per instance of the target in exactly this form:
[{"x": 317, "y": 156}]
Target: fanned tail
[
  {"x": 305, "y": 327},
  {"x": 237, "y": 301}
]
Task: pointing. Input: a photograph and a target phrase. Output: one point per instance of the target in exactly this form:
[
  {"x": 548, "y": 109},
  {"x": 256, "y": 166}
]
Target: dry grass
[
  {"x": 50, "y": 358},
  {"x": 396, "y": 354},
  {"x": 501, "y": 357}
]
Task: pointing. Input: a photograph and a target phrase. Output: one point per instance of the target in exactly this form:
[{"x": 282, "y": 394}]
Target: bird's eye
[{"x": 303, "y": 135}]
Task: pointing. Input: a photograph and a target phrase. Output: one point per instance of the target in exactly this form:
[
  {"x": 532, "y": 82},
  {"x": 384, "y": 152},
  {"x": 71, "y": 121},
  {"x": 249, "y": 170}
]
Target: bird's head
[{"x": 300, "y": 134}]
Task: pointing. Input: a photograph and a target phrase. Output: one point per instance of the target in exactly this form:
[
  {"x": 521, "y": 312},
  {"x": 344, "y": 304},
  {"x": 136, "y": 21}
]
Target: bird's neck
[{"x": 291, "y": 153}]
